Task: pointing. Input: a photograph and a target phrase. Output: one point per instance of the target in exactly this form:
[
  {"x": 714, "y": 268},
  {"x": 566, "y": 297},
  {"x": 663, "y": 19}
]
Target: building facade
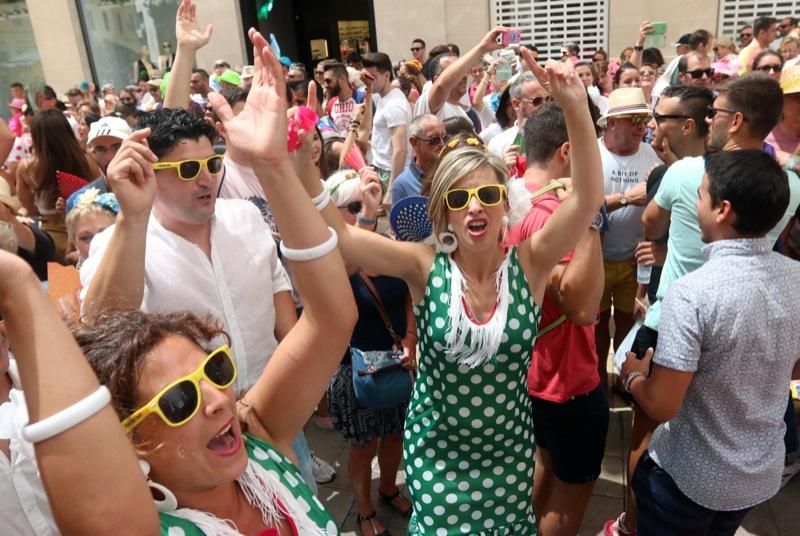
[{"x": 65, "y": 42}]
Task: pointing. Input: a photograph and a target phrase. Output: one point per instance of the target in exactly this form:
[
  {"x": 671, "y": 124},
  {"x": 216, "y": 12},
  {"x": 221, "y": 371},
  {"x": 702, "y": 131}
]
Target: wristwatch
[
  {"x": 597, "y": 223},
  {"x": 623, "y": 201},
  {"x": 626, "y": 382},
  {"x": 638, "y": 47}
]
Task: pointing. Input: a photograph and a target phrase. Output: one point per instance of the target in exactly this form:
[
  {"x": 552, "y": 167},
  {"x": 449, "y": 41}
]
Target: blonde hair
[
  {"x": 454, "y": 166},
  {"x": 86, "y": 204}
]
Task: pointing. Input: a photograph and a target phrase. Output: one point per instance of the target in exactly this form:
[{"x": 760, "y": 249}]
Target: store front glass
[
  {"x": 19, "y": 57},
  {"x": 129, "y": 40}
]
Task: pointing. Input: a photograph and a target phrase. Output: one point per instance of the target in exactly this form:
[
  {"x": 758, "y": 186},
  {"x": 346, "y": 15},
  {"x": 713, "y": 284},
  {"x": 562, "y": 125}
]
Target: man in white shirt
[
  {"x": 527, "y": 96},
  {"x": 626, "y": 164},
  {"x": 389, "y": 124},
  {"x": 342, "y": 99}
]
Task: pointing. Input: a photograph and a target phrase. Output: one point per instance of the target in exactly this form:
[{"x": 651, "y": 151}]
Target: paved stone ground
[{"x": 778, "y": 517}]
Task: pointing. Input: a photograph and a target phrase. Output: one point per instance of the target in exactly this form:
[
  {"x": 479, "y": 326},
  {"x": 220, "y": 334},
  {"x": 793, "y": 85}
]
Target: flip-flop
[
  {"x": 371, "y": 519},
  {"x": 389, "y": 500}
]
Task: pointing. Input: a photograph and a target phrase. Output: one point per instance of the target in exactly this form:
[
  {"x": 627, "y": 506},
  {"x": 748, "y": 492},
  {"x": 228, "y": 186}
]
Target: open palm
[
  {"x": 187, "y": 32},
  {"x": 258, "y": 133}
]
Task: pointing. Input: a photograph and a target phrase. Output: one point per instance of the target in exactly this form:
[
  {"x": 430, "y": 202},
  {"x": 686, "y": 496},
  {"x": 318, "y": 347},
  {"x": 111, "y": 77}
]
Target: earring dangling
[
  {"x": 169, "y": 503},
  {"x": 446, "y": 241},
  {"x": 505, "y": 220}
]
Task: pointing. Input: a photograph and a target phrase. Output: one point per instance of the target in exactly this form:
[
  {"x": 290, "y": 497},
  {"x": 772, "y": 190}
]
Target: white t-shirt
[
  {"x": 236, "y": 285},
  {"x": 342, "y": 113},
  {"x": 621, "y": 173},
  {"x": 486, "y": 114},
  {"x": 504, "y": 140},
  {"x": 447, "y": 110},
  {"x": 24, "y": 508},
  {"x": 393, "y": 110}
]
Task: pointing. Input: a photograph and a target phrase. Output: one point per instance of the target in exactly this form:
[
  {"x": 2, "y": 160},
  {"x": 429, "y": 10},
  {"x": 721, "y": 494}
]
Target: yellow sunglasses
[
  {"x": 489, "y": 195},
  {"x": 189, "y": 170},
  {"x": 179, "y": 401}
]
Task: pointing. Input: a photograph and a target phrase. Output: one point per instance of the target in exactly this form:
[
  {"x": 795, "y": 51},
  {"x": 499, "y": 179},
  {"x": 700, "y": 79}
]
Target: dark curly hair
[
  {"x": 116, "y": 343},
  {"x": 169, "y": 127}
]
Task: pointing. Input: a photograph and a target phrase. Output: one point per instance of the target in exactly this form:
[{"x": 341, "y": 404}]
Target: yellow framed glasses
[
  {"x": 178, "y": 402},
  {"x": 489, "y": 195},
  {"x": 189, "y": 170}
]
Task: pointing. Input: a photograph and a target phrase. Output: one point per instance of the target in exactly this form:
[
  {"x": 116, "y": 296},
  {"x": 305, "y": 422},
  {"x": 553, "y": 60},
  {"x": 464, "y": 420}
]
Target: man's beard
[{"x": 335, "y": 90}]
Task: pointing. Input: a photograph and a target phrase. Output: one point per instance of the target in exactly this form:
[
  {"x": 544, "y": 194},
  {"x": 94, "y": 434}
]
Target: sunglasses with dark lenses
[
  {"x": 639, "y": 119},
  {"x": 745, "y": 35},
  {"x": 189, "y": 170},
  {"x": 659, "y": 117},
  {"x": 179, "y": 401},
  {"x": 435, "y": 141},
  {"x": 538, "y": 101},
  {"x": 416, "y": 49},
  {"x": 354, "y": 207},
  {"x": 712, "y": 112},
  {"x": 769, "y": 68},
  {"x": 698, "y": 73},
  {"x": 489, "y": 195}
]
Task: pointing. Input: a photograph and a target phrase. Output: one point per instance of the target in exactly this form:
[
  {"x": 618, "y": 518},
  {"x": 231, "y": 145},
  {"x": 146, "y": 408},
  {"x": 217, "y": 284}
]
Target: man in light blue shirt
[{"x": 427, "y": 137}]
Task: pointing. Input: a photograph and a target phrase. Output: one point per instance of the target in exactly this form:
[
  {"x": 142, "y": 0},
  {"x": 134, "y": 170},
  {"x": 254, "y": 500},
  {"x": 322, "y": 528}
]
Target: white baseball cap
[{"x": 115, "y": 127}]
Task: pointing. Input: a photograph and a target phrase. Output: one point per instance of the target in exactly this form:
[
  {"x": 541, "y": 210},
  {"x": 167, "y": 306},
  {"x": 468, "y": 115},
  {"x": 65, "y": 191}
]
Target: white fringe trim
[
  {"x": 485, "y": 339},
  {"x": 263, "y": 490}
]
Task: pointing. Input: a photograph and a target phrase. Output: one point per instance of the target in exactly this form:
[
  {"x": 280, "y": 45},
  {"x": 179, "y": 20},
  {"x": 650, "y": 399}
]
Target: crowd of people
[{"x": 432, "y": 257}]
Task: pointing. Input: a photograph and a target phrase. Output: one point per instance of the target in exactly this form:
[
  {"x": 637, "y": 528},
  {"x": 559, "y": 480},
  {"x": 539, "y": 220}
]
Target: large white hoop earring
[
  {"x": 446, "y": 241},
  {"x": 169, "y": 503}
]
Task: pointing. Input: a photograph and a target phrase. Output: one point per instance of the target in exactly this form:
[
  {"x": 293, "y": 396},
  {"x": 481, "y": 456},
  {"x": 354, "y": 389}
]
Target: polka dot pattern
[
  {"x": 409, "y": 219},
  {"x": 469, "y": 435}
]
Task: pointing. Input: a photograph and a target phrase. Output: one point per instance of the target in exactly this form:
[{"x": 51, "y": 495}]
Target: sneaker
[
  {"x": 614, "y": 527},
  {"x": 322, "y": 470},
  {"x": 789, "y": 472}
]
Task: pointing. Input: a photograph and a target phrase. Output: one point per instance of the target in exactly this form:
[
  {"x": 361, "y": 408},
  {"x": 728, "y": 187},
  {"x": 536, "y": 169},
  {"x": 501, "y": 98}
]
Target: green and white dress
[
  {"x": 468, "y": 446},
  {"x": 281, "y": 487}
]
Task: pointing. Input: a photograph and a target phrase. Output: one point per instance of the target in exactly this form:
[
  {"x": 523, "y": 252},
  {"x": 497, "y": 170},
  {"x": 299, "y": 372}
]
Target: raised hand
[
  {"x": 644, "y": 29},
  {"x": 559, "y": 78},
  {"x": 489, "y": 42},
  {"x": 370, "y": 189},
  {"x": 131, "y": 175},
  {"x": 188, "y": 33},
  {"x": 258, "y": 133}
]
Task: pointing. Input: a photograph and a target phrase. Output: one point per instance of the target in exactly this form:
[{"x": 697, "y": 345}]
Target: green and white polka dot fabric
[
  {"x": 273, "y": 461},
  {"x": 468, "y": 447}
]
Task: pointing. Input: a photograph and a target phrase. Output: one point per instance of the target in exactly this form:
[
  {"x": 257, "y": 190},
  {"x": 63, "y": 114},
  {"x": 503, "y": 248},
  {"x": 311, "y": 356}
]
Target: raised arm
[
  {"x": 577, "y": 286},
  {"x": 480, "y": 91},
  {"x": 570, "y": 221},
  {"x": 6, "y": 140},
  {"x": 85, "y": 459},
  {"x": 314, "y": 347},
  {"x": 638, "y": 49},
  {"x": 450, "y": 77},
  {"x": 189, "y": 39},
  {"x": 118, "y": 279}
]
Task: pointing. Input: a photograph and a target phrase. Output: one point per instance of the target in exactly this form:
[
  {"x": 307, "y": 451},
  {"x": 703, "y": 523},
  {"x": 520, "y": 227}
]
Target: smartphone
[
  {"x": 657, "y": 39},
  {"x": 511, "y": 37}
]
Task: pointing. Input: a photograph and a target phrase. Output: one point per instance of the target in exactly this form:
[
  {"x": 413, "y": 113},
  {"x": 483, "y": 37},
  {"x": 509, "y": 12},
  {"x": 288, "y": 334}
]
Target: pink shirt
[{"x": 780, "y": 140}]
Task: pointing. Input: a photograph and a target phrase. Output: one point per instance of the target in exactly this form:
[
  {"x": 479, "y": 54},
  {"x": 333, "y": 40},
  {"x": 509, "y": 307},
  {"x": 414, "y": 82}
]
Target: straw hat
[
  {"x": 790, "y": 79},
  {"x": 6, "y": 199},
  {"x": 625, "y": 101}
]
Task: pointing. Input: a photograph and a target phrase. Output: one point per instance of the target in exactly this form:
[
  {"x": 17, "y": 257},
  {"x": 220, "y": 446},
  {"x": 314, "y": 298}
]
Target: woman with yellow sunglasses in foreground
[
  {"x": 468, "y": 448},
  {"x": 216, "y": 466}
]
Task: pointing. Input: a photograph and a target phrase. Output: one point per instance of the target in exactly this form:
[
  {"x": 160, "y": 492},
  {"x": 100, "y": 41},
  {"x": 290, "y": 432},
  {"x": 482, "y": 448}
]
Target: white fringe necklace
[
  {"x": 262, "y": 489},
  {"x": 484, "y": 339}
]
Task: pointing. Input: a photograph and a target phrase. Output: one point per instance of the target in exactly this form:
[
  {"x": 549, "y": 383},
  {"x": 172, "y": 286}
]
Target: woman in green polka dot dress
[{"x": 468, "y": 439}]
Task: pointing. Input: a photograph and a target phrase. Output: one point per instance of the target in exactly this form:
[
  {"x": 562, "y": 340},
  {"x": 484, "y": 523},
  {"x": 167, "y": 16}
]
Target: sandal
[
  {"x": 371, "y": 518},
  {"x": 391, "y": 501}
]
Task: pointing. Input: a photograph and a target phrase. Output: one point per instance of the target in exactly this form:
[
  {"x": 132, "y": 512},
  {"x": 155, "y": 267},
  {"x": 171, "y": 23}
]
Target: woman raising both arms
[{"x": 468, "y": 434}]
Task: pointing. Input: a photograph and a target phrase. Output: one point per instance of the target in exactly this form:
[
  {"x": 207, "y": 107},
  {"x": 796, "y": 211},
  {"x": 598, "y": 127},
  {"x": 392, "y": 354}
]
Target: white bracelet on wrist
[
  {"x": 321, "y": 201},
  {"x": 312, "y": 253},
  {"x": 68, "y": 417}
]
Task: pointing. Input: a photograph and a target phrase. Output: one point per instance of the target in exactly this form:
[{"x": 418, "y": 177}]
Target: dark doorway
[{"x": 296, "y": 23}]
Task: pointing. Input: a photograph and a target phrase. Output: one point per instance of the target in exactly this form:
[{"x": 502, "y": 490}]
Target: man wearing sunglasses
[
  {"x": 427, "y": 137},
  {"x": 626, "y": 164},
  {"x": 527, "y": 96},
  {"x": 694, "y": 69},
  {"x": 765, "y": 30},
  {"x": 418, "y": 50}
]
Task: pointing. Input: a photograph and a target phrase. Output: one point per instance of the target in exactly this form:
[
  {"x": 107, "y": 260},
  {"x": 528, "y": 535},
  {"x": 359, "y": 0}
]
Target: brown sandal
[
  {"x": 390, "y": 501},
  {"x": 371, "y": 519}
]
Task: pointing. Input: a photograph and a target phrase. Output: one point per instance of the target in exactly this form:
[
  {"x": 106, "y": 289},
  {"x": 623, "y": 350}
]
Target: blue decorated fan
[{"x": 409, "y": 219}]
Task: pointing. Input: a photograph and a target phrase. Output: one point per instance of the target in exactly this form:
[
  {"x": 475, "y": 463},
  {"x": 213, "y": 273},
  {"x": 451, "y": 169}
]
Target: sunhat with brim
[
  {"x": 6, "y": 199},
  {"x": 790, "y": 80},
  {"x": 409, "y": 219},
  {"x": 625, "y": 101},
  {"x": 231, "y": 77}
]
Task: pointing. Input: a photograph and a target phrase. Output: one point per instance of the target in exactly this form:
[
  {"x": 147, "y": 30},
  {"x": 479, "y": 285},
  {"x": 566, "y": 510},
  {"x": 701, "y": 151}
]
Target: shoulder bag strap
[{"x": 379, "y": 305}]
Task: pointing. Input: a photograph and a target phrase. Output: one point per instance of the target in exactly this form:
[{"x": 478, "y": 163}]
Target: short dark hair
[
  {"x": 452, "y": 47},
  {"x": 338, "y": 69},
  {"x": 300, "y": 85},
  {"x": 695, "y": 102},
  {"x": 234, "y": 94},
  {"x": 622, "y": 68},
  {"x": 652, "y": 56},
  {"x": 683, "y": 63},
  {"x": 753, "y": 183},
  {"x": 758, "y": 98},
  {"x": 420, "y": 41},
  {"x": 699, "y": 37},
  {"x": 792, "y": 20},
  {"x": 456, "y": 125},
  {"x": 49, "y": 93},
  {"x": 16, "y": 84},
  {"x": 533, "y": 48},
  {"x": 545, "y": 132},
  {"x": 169, "y": 127},
  {"x": 353, "y": 57},
  {"x": 573, "y": 47},
  {"x": 435, "y": 68},
  {"x": 74, "y": 92},
  {"x": 762, "y": 24},
  {"x": 438, "y": 49},
  {"x": 201, "y": 72},
  {"x": 379, "y": 60},
  {"x": 763, "y": 54}
]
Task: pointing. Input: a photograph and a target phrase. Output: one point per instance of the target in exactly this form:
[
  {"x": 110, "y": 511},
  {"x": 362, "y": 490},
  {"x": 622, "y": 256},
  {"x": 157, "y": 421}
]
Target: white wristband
[
  {"x": 315, "y": 252},
  {"x": 67, "y": 417},
  {"x": 321, "y": 201}
]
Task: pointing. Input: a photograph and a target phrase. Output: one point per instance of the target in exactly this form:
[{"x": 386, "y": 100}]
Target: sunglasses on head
[
  {"x": 538, "y": 101},
  {"x": 434, "y": 141},
  {"x": 699, "y": 73},
  {"x": 189, "y": 170},
  {"x": 772, "y": 68},
  {"x": 489, "y": 195},
  {"x": 179, "y": 401}
]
